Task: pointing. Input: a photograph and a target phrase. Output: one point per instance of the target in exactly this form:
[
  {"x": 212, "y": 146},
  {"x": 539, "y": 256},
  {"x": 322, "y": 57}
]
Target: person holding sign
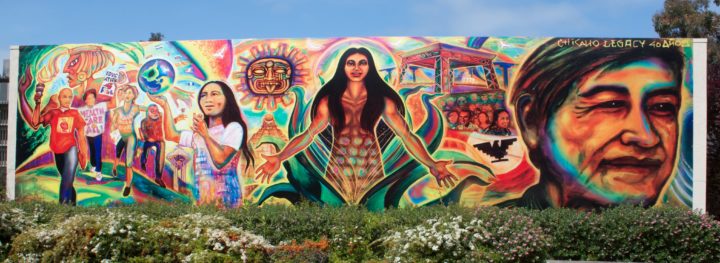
[{"x": 94, "y": 115}]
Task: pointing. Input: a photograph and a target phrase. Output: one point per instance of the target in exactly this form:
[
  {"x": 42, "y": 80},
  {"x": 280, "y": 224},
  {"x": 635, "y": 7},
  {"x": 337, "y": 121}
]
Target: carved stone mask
[{"x": 269, "y": 76}]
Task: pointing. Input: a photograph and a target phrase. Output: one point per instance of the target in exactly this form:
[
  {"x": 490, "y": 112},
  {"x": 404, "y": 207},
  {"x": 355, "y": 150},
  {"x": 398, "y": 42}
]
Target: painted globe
[{"x": 156, "y": 76}]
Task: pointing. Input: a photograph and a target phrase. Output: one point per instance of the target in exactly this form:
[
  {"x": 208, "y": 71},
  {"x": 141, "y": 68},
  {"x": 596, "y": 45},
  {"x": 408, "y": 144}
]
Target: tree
[
  {"x": 691, "y": 19},
  {"x": 157, "y": 36},
  {"x": 695, "y": 19}
]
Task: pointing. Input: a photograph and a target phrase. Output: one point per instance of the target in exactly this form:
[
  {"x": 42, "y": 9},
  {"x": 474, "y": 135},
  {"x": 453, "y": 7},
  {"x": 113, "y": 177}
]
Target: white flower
[
  {"x": 218, "y": 247},
  {"x": 96, "y": 249}
]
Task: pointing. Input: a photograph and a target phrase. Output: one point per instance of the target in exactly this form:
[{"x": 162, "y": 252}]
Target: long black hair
[
  {"x": 494, "y": 123},
  {"x": 231, "y": 113},
  {"x": 377, "y": 91}
]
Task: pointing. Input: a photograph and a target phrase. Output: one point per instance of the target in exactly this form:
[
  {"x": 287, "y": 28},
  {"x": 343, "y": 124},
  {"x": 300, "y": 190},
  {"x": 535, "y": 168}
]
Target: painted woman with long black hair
[
  {"x": 352, "y": 103},
  {"x": 217, "y": 135}
]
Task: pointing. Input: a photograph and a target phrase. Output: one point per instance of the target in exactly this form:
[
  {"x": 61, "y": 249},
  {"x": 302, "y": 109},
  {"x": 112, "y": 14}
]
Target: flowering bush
[
  {"x": 42, "y": 232},
  {"x": 68, "y": 239},
  {"x": 496, "y": 236},
  {"x": 12, "y": 222},
  {"x": 445, "y": 239},
  {"x": 121, "y": 237},
  {"x": 512, "y": 236}
]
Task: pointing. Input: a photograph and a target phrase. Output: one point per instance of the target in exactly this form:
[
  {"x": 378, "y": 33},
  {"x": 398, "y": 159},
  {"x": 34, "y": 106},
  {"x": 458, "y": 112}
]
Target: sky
[{"x": 36, "y": 22}]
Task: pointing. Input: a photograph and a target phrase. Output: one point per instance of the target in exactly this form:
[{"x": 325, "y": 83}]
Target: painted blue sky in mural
[{"x": 55, "y": 22}]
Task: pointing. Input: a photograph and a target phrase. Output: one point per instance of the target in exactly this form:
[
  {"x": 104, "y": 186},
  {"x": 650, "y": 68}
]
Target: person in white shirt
[
  {"x": 216, "y": 137},
  {"x": 94, "y": 115}
]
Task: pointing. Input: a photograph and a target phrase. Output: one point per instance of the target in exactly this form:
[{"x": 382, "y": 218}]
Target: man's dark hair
[
  {"x": 548, "y": 75},
  {"x": 552, "y": 71}
]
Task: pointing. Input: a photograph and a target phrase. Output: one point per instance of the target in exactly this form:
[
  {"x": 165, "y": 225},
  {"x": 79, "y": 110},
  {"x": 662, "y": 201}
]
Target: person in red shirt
[
  {"x": 151, "y": 130},
  {"x": 67, "y": 134}
]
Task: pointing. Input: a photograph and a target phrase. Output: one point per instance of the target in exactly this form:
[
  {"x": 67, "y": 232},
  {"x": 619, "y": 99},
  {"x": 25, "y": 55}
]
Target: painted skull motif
[{"x": 269, "y": 76}]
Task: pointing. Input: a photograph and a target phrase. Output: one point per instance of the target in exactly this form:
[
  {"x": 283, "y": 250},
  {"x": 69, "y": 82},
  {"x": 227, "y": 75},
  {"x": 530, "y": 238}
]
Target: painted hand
[
  {"x": 83, "y": 159},
  {"x": 159, "y": 100},
  {"x": 180, "y": 118},
  {"x": 25, "y": 81},
  {"x": 443, "y": 176},
  {"x": 38, "y": 94},
  {"x": 271, "y": 166},
  {"x": 39, "y": 90},
  {"x": 199, "y": 126}
]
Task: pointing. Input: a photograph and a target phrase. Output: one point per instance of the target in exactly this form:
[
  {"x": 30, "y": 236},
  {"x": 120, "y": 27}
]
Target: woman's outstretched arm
[
  {"x": 272, "y": 162},
  {"x": 171, "y": 134},
  {"x": 412, "y": 143}
]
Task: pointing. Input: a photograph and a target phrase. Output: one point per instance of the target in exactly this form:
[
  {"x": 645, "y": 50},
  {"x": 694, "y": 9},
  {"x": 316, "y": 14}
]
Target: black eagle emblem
[{"x": 498, "y": 149}]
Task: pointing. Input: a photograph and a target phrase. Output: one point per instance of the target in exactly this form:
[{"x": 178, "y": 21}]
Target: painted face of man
[
  {"x": 464, "y": 117},
  {"x": 72, "y": 68},
  {"x": 65, "y": 98},
  {"x": 356, "y": 67},
  {"x": 614, "y": 138},
  {"x": 212, "y": 100},
  {"x": 153, "y": 112}
]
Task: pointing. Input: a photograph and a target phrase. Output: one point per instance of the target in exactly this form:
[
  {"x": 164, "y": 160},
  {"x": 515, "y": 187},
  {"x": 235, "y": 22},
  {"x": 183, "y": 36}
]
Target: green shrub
[
  {"x": 286, "y": 223},
  {"x": 43, "y": 232},
  {"x": 352, "y": 236},
  {"x": 14, "y": 221},
  {"x": 512, "y": 235},
  {"x": 627, "y": 233},
  {"x": 54, "y": 242}
]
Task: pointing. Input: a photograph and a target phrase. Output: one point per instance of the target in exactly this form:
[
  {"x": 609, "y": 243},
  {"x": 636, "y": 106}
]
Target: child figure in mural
[
  {"x": 123, "y": 120},
  {"x": 352, "y": 103},
  {"x": 152, "y": 135},
  {"x": 217, "y": 135},
  {"x": 67, "y": 139},
  {"x": 94, "y": 115}
]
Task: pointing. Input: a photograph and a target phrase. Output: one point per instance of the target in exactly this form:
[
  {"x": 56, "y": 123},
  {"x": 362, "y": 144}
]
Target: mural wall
[{"x": 377, "y": 122}]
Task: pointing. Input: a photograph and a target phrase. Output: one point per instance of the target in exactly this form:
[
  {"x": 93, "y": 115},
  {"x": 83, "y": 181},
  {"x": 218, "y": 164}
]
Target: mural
[{"x": 377, "y": 122}]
